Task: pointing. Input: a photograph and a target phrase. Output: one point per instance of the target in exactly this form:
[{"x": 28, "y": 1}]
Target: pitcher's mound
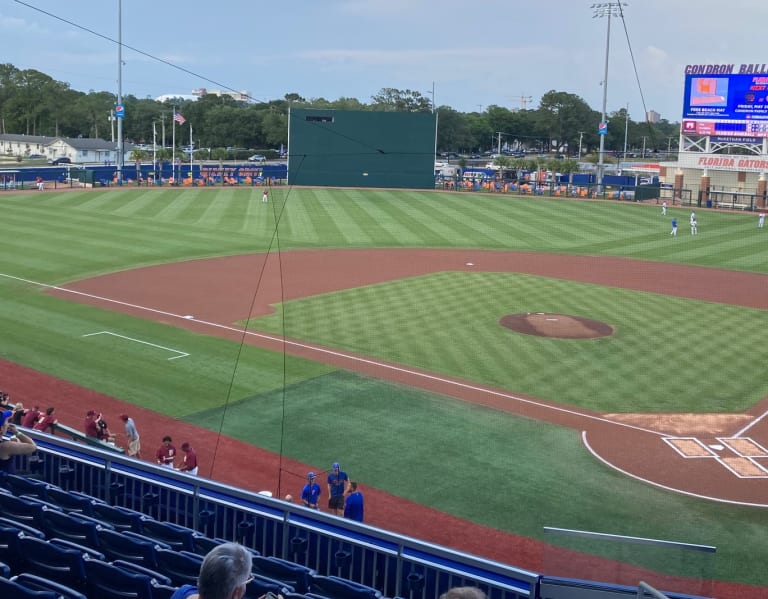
[{"x": 560, "y": 326}]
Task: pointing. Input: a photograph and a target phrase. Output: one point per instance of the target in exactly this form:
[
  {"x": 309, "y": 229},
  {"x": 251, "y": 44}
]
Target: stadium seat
[
  {"x": 157, "y": 577},
  {"x": 334, "y": 587},
  {"x": 120, "y": 518},
  {"x": 21, "y": 527},
  {"x": 65, "y": 566},
  {"x": 38, "y": 583},
  {"x": 22, "y": 510},
  {"x": 88, "y": 552},
  {"x": 21, "y": 485},
  {"x": 10, "y": 588},
  {"x": 5, "y": 570},
  {"x": 182, "y": 567},
  {"x": 178, "y": 537},
  {"x": 260, "y": 585},
  {"x": 108, "y": 580},
  {"x": 293, "y": 574},
  {"x": 79, "y": 529},
  {"x": 71, "y": 502},
  {"x": 129, "y": 547}
]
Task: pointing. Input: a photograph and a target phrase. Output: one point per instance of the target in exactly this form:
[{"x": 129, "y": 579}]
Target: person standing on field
[
  {"x": 338, "y": 484},
  {"x": 265, "y": 196},
  {"x": 189, "y": 464},
  {"x": 664, "y": 208},
  {"x": 310, "y": 494},
  {"x": 694, "y": 224},
  {"x": 354, "y": 506},
  {"x": 761, "y": 220},
  {"x": 166, "y": 453},
  {"x": 673, "y": 232},
  {"x": 132, "y": 434}
]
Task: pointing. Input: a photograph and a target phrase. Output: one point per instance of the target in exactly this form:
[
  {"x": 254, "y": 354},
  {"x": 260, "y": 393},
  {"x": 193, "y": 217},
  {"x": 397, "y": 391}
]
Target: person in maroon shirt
[
  {"x": 91, "y": 426},
  {"x": 31, "y": 416},
  {"x": 189, "y": 465},
  {"x": 166, "y": 453},
  {"x": 46, "y": 423}
]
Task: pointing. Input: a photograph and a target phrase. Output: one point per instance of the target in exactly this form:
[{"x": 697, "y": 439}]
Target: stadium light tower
[{"x": 599, "y": 10}]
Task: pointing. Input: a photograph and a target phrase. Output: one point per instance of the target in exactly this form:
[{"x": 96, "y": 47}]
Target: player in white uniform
[
  {"x": 694, "y": 226},
  {"x": 664, "y": 208}
]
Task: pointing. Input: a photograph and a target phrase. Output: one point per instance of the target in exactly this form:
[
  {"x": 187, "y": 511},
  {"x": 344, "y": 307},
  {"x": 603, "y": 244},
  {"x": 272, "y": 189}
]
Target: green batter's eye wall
[{"x": 343, "y": 148}]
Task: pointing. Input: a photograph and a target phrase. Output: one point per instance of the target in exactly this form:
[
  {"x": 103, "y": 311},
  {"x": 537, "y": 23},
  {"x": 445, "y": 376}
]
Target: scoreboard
[{"x": 726, "y": 105}]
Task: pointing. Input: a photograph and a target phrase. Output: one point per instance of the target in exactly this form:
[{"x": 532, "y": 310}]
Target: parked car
[
  {"x": 59, "y": 160},
  {"x": 36, "y": 156},
  {"x": 257, "y": 158}
]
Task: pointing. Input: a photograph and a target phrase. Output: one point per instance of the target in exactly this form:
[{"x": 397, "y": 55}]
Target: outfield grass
[{"x": 51, "y": 238}]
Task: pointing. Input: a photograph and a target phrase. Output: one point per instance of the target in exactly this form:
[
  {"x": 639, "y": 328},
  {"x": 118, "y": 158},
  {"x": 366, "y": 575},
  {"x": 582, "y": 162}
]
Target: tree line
[{"x": 33, "y": 103}]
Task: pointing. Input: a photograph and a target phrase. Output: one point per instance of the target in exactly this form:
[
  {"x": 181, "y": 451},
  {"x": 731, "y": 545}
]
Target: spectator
[
  {"x": 91, "y": 426},
  {"x": 18, "y": 444},
  {"x": 132, "y": 434},
  {"x": 338, "y": 483},
  {"x": 45, "y": 424},
  {"x": 189, "y": 464},
  {"x": 310, "y": 494},
  {"x": 354, "y": 506},
  {"x": 31, "y": 416},
  {"x": 166, "y": 453},
  {"x": 224, "y": 574},
  {"x": 463, "y": 593},
  {"x": 103, "y": 433},
  {"x": 18, "y": 413}
]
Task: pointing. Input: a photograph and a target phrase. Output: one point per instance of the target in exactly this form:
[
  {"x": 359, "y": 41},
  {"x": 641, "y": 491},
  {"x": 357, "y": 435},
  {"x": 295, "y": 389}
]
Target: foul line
[
  {"x": 175, "y": 351},
  {"x": 750, "y": 425},
  {"x": 344, "y": 355},
  {"x": 659, "y": 485}
]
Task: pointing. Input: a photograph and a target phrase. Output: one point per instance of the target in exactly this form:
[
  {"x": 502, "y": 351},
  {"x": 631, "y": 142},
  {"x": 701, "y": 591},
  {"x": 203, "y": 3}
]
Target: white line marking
[
  {"x": 175, "y": 351},
  {"x": 751, "y": 424},
  {"x": 347, "y": 356},
  {"x": 659, "y": 485},
  {"x": 670, "y": 441}
]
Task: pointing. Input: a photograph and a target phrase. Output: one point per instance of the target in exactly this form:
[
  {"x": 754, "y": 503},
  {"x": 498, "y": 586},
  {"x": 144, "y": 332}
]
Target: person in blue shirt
[
  {"x": 354, "y": 507},
  {"x": 673, "y": 232},
  {"x": 338, "y": 483},
  {"x": 310, "y": 494}
]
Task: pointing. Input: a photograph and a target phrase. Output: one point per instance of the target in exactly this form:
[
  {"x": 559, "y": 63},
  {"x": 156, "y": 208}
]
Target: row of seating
[{"x": 71, "y": 539}]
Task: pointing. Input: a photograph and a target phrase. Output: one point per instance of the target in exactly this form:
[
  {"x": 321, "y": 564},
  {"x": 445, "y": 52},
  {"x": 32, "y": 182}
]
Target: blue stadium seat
[
  {"x": 78, "y": 529},
  {"x": 39, "y": 583},
  {"x": 178, "y": 537},
  {"x": 65, "y": 566},
  {"x": 260, "y": 585},
  {"x": 19, "y": 526},
  {"x": 22, "y": 485},
  {"x": 88, "y": 552},
  {"x": 108, "y": 580},
  {"x": 71, "y": 502},
  {"x": 157, "y": 577},
  {"x": 24, "y": 511},
  {"x": 120, "y": 518},
  {"x": 182, "y": 567},
  {"x": 293, "y": 574},
  {"x": 129, "y": 547},
  {"x": 9, "y": 588},
  {"x": 5, "y": 570},
  {"x": 334, "y": 587}
]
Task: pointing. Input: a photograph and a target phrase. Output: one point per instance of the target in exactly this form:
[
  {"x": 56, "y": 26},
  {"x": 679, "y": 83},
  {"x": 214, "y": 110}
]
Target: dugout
[{"x": 344, "y": 148}]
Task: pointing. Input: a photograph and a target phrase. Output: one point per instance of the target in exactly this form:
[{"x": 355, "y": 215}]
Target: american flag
[{"x": 179, "y": 119}]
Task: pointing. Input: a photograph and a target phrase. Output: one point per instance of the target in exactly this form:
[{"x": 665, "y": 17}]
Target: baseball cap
[
  {"x": 5, "y": 415},
  {"x": 90, "y": 413},
  {"x": 336, "y": 466},
  {"x": 185, "y": 446},
  {"x": 124, "y": 417},
  {"x": 311, "y": 475}
]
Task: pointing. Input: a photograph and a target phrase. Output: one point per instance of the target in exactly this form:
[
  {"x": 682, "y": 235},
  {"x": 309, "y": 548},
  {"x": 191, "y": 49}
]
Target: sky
[{"x": 472, "y": 54}]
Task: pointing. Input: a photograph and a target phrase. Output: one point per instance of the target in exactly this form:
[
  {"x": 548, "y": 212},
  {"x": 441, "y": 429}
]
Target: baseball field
[{"x": 512, "y": 363}]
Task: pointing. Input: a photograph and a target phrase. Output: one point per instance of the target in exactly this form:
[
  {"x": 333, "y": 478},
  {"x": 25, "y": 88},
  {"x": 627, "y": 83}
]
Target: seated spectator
[
  {"x": 18, "y": 444},
  {"x": 31, "y": 417},
  {"x": 224, "y": 574},
  {"x": 45, "y": 424},
  {"x": 18, "y": 413}
]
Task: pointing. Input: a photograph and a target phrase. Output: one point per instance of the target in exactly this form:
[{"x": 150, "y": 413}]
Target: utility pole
[
  {"x": 644, "y": 136},
  {"x": 581, "y": 136},
  {"x": 626, "y": 130},
  {"x": 524, "y": 100}
]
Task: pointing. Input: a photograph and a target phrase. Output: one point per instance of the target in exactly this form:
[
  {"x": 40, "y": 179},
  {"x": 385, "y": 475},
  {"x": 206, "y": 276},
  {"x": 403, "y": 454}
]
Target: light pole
[
  {"x": 599, "y": 10},
  {"x": 626, "y": 131},
  {"x": 581, "y": 135}
]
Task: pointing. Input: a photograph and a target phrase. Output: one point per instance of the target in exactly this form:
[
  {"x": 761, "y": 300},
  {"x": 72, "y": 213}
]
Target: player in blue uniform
[
  {"x": 310, "y": 494},
  {"x": 673, "y": 232},
  {"x": 354, "y": 507},
  {"x": 338, "y": 483}
]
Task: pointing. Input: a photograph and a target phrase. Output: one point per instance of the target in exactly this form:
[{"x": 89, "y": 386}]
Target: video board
[{"x": 726, "y": 105}]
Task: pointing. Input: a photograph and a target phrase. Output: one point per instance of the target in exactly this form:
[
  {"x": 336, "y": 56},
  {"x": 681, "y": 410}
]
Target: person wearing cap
[
  {"x": 132, "y": 434},
  {"x": 166, "y": 453},
  {"x": 338, "y": 484},
  {"x": 189, "y": 463},
  {"x": 354, "y": 507},
  {"x": 18, "y": 444},
  {"x": 91, "y": 425},
  {"x": 310, "y": 494}
]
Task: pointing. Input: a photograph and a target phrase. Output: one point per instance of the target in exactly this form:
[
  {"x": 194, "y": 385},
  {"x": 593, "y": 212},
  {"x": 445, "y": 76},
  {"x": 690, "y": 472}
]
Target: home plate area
[{"x": 742, "y": 456}]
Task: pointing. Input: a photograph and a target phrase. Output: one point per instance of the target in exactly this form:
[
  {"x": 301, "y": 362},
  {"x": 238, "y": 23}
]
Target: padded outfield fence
[{"x": 394, "y": 565}]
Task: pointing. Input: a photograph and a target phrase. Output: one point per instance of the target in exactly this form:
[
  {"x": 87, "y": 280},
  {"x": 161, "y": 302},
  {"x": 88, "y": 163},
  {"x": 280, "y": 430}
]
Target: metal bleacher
[{"x": 308, "y": 548}]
